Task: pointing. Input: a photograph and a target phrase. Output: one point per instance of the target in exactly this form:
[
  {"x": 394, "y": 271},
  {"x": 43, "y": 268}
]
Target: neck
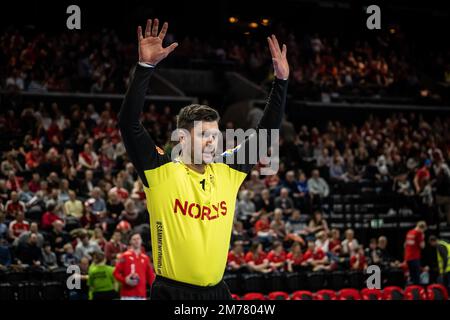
[{"x": 200, "y": 168}]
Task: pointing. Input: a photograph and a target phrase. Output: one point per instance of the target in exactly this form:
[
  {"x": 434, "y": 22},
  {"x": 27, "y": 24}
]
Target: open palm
[
  {"x": 280, "y": 63},
  {"x": 150, "y": 45}
]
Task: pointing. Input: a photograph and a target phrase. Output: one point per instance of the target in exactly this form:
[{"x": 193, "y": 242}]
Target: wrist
[{"x": 146, "y": 64}]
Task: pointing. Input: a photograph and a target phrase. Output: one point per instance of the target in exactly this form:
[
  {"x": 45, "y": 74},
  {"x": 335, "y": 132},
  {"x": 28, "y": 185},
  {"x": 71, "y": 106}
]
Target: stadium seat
[
  {"x": 394, "y": 277},
  {"x": 393, "y": 293},
  {"x": 235, "y": 296},
  {"x": 348, "y": 294},
  {"x": 325, "y": 294},
  {"x": 316, "y": 281},
  {"x": 302, "y": 295},
  {"x": 295, "y": 281},
  {"x": 371, "y": 294},
  {"x": 232, "y": 282},
  {"x": 7, "y": 292},
  {"x": 274, "y": 282},
  {"x": 356, "y": 279},
  {"x": 278, "y": 295},
  {"x": 415, "y": 292},
  {"x": 254, "y": 296},
  {"x": 28, "y": 291},
  {"x": 336, "y": 280},
  {"x": 52, "y": 291},
  {"x": 252, "y": 282},
  {"x": 437, "y": 292}
]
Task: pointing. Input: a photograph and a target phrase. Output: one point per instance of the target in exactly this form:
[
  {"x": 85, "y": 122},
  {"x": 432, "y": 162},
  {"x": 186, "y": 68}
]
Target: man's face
[
  {"x": 136, "y": 241},
  {"x": 204, "y": 139},
  {"x": 117, "y": 236}
]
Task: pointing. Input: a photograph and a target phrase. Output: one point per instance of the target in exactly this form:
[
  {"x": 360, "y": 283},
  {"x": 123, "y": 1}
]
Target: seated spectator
[
  {"x": 49, "y": 217},
  {"x": 338, "y": 171},
  {"x": 291, "y": 184},
  {"x": 34, "y": 229},
  {"x": 262, "y": 230},
  {"x": 386, "y": 259},
  {"x": 49, "y": 260},
  {"x": 122, "y": 193},
  {"x": 5, "y": 255},
  {"x": 58, "y": 237},
  {"x": 265, "y": 202},
  {"x": 358, "y": 259},
  {"x": 236, "y": 258},
  {"x": 318, "y": 223},
  {"x": 85, "y": 247},
  {"x": 371, "y": 252},
  {"x": 88, "y": 184},
  {"x": 255, "y": 184},
  {"x": 29, "y": 254},
  {"x": 88, "y": 159},
  {"x": 98, "y": 204},
  {"x": 318, "y": 187},
  {"x": 296, "y": 228},
  {"x": 301, "y": 196},
  {"x": 239, "y": 233},
  {"x": 315, "y": 258},
  {"x": 284, "y": 202},
  {"x": 350, "y": 243},
  {"x": 98, "y": 237},
  {"x": 68, "y": 258},
  {"x": 114, "y": 205},
  {"x": 295, "y": 260},
  {"x": 335, "y": 242},
  {"x": 4, "y": 230},
  {"x": 322, "y": 241},
  {"x": 14, "y": 206},
  {"x": 73, "y": 208},
  {"x": 18, "y": 226},
  {"x": 277, "y": 225},
  {"x": 130, "y": 213},
  {"x": 114, "y": 247},
  {"x": 245, "y": 207},
  {"x": 277, "y": 257},
  {"x": 256, "y": 259}
]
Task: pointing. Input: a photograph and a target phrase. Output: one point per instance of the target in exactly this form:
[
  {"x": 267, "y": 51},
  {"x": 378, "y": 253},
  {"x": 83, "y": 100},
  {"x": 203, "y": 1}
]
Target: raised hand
[
  {"x": 150, "y": 44},
  {"x": 280, "y": 63}
]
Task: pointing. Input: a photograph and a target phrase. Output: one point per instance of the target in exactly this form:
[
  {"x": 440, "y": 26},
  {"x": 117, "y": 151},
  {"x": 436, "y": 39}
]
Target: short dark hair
[{"x": 195, "y": 112}]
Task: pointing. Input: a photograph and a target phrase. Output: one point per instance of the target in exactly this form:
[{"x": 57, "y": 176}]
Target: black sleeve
[
  {"x": 140, "y": 147},
  {"x": 271, "y": 119}
]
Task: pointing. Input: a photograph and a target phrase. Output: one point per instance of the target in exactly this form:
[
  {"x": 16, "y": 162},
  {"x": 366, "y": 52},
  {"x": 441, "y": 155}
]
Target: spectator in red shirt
[
  {"x": 316, "y": 258},
  {"x": 358, "y": 259},
  {"x": 114, "y": 247},
  {"x": 256, "y": 258},
  {"x": 236, "y": 258},
  {"x": 14, "y": 206},
  {"x": 335, "y": 242},
  {"x": 277, "y": 257},
  {"x": 414, "y": 243},
  {"x": 422, "y": 176},
  {"x": 18, "y": 226},
  {"x": 294, "y": 259},
  {"x": 262, "y": 230},
  {"x": 134, "y": 271},
  {"x": 49, "y": 217},
  {"x": 35, "y": 184}
]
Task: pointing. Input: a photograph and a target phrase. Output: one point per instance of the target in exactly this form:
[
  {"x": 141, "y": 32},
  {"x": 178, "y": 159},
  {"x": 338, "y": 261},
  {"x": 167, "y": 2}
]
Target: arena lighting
[
  {"x": 253, "y": 25},
  {"x": 233, "y": 19},
  {"x": 392, "y": 30},
  {"x": 265, "y": 22}
]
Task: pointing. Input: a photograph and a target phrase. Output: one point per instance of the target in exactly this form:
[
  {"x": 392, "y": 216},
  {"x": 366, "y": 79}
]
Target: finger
[
  {"x": 172, "y": 47},
  {"x": 139, "y": 33},
  {"x": 155, "y": 28},
  {"x": 276, "y": 45},
  {"x": 163, "y": 32},
  {"x": 148, "y": 28},
  {"x": 271, "y": 47},
  {"x": 284, "y": 52}
]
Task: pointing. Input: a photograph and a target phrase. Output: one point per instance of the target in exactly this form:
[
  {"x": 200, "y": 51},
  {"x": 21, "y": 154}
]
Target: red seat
[
  {"x": 437, "y": 292},
  {"x": 371, "y": 294},
  {"x": 349, "y": 294},
  {"x": 278, "y": 295},
  {"x": 302, "y": 295},
  {"x": 253, "y": 296},
  {"x": 415, "y": 292},
  {"x": 235, "y": 297},
  {"x": 393, "y": 293},
  {"x": 325, "y": 294}
]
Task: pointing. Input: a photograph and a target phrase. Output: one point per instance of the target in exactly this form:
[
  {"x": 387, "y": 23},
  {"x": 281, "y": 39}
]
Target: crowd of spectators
[
  {"x": 321, "y": 64},
  {"x": 68, "y": 190}
]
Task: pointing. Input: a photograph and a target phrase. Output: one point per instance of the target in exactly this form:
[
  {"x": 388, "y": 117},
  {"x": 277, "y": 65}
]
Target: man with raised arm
[{"x": 191, "y": 198}]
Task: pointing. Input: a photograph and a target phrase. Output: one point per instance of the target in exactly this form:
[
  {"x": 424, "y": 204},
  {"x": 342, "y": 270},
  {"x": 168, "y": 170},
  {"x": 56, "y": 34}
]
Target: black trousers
[{"x": 168, "y": 289}]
